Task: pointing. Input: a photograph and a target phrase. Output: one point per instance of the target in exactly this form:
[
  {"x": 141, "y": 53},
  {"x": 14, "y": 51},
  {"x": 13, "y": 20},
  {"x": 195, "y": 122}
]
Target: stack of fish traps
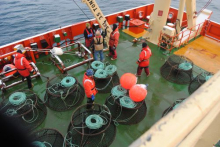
[
  {"x": 63, "y": 93},
  {"x": 123, "y": 109},
  {"x": 47, "y": 138},
  {"x": 25, "y": 108},
  {"x": 177, "y": 69},
  {"x": 90, "y": 127},
  {"x": 105, "y": 76}
]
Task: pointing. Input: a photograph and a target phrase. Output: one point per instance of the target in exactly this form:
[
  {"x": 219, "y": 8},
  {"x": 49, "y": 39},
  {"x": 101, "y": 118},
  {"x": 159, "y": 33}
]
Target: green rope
[
  {"x": 118, "y": 91},
  {"x": 41, "y": 144},
  {"x": 11, "y": 112},
  {"x": 97, "y": 65},
  {"x": 208, "y": 77},
  {"x": 68, "y": 81},
  {"x": 110, "y": 69},
  {"x": 100, "y": 73},
  {"x": 98, "y": 121},
  {"x": 125, "y": 101},
  {"x": 17, "y": 98},
  {"x": 185, "y": 66}
]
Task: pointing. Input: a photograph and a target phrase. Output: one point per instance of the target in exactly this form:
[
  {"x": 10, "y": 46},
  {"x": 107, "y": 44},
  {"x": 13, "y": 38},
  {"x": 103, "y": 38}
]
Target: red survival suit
[
  {"x": 88, "y": 34},
  {"x": 144, "y": 57},
  {"x": 113, "y": 41},
  {"x": 89, "y": 86},
  {"x": 22, "y": 65}
]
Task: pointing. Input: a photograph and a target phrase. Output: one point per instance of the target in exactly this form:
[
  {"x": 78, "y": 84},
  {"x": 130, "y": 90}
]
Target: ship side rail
[{"x": 184, "y": 126}]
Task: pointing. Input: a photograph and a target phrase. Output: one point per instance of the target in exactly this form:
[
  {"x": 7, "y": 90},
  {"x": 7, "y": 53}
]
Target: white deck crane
[{"x": 159, "y": 15}]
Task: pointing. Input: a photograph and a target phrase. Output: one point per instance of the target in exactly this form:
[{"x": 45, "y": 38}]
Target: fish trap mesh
[
  {"x": 47, "y": 138},
  {"x": 105, "y": 76},
  {"x": 25, "y": 108},
  {"x": 125, "y": 115},
  {"x": 198, "y": 81},
  {"x": 177, "y": 69},
  {"x": 173, "y": 106},
  {"x": 63, "y": 93},
  {"x": 91, "y": 127}
]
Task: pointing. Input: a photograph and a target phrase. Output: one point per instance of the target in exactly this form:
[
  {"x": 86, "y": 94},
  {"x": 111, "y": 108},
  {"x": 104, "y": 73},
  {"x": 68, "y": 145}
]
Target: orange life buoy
[
  {"x": 140, "y": 15},
  {"x": 170, "y": 16},
  {"x": 8, "y": 67}
]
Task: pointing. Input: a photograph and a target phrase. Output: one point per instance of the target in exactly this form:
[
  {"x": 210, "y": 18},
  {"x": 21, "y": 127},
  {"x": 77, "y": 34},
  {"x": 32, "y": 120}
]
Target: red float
[
  {"x": 128, "y": 80},
  {"x": 138, "y": 92}
]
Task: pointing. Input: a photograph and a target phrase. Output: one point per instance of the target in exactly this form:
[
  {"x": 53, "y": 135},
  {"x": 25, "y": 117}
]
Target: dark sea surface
[{"x": 20, "y": 19}]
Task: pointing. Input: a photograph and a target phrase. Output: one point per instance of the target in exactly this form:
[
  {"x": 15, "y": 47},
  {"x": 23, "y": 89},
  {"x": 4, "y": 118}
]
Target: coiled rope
[
  {"x": 125, "y": 101},
  {"x": 68, "y": 81},
  {"x": 110, "y": 69},
  {"x": 118, "y": 91},
  {"x": 185, "y": 66},
  {"x": 97, "y": 65},
  {"x": 17, "y": 98},
  {"x": 94, "y": 121},
  {"x": 100, "y": 73},
  {"x": 41, "y": 144}
]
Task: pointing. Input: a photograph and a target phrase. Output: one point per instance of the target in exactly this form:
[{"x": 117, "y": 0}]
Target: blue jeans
[{"x": 96, "y": 55}]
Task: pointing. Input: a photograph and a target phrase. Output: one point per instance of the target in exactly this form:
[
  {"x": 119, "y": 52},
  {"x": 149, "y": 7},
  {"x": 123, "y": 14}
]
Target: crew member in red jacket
[
  {"x": 88, "y": 34},
  {"x": 23, "y": 68},
  {"x": 144, "y": 59},
  {"x": 89, "y": 86},
  {"x": 113, "y": 42}
]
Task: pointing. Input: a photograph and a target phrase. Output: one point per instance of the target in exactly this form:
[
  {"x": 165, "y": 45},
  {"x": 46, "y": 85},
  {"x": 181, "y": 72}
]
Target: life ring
[
  {"x": 140, "y": 15},
  {"x": 170, "y": 16},
  {"x": 8, "y": 67}
]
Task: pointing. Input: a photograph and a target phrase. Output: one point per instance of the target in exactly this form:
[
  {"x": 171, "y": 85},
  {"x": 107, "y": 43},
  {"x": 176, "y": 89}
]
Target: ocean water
[{"x": 24, "y": 18}]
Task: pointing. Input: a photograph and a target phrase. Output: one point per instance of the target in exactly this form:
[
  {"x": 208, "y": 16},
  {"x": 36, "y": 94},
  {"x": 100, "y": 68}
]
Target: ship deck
[{"x": 161, "y": 93}]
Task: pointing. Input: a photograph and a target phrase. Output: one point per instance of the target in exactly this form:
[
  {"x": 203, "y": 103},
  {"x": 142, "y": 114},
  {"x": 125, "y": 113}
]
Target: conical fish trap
[
  {"x": 25, "y": 108},
  {"x": 123, "y": 109},
  {"x": 91, "y": 127},
  {"x": 63, "y": 93},
  {"x": 105, "y": 76},
  {"x": 173, "y": 106},
  {"x": 177, "y": 69},
  {"x": 198, "y": 81},
  {"x": 47, "y": 138}
]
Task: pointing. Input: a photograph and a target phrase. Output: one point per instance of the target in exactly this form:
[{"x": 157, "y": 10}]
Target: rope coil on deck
[
  {"x": 41, "y": 144},
  {"x": 68, "y": 81},
  {"x": 98, "y": 121},
  {"x": 17, "y": 98},
  {"x": 125, "y": 101},
  {"x": 118, "y": 91},
  {"x": 100, "y": 73},
  {"x": 97, "y": 65},
  {"x": 185, "y": 66},
  {"x": 110, "y": 69}
]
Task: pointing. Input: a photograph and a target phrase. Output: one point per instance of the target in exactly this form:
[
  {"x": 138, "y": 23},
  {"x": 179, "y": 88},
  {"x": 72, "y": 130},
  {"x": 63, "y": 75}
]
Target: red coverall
[
  {"x": 143, "y": 61},
  {"x": 113, "y": 41}
]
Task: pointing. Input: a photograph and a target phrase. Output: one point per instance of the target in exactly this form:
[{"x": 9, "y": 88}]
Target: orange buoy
[
  {"x": 138, "y": 92},
  {"x": 128, "y": 80},
  {"x": 8, "y": 67}
]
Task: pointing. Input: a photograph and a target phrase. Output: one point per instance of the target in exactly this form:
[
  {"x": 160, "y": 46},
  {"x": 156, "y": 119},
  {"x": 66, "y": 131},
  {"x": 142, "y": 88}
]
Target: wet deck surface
[
  {"x": 161, "y": 93},
  {"x": 204, "y": 52}
]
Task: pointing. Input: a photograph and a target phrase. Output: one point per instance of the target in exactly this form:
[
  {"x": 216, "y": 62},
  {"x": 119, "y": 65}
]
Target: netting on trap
[
  {"x": 173, "y": 106},
  {"x": 123, "y": 109},
  {"x": 63, "y": 93},
  {"x": 25, "y": 108},
  {"x": 105, "y": 76},
  {"x": 198, "y": 81},
  {"x": 177, "y": 69},
  {"x": 90, "y": 127},
  {"x": 47, "y": 138}
]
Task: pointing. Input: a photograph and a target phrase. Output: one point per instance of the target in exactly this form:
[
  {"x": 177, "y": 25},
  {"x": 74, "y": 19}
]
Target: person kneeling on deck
[
  {"x": 23, "y": 67},
  {"x": 113, "y": 42},
  {"x": 89, "y": 86},
  {"x": 98, "y": 45},
  {"x": 144, "y": 59}
]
